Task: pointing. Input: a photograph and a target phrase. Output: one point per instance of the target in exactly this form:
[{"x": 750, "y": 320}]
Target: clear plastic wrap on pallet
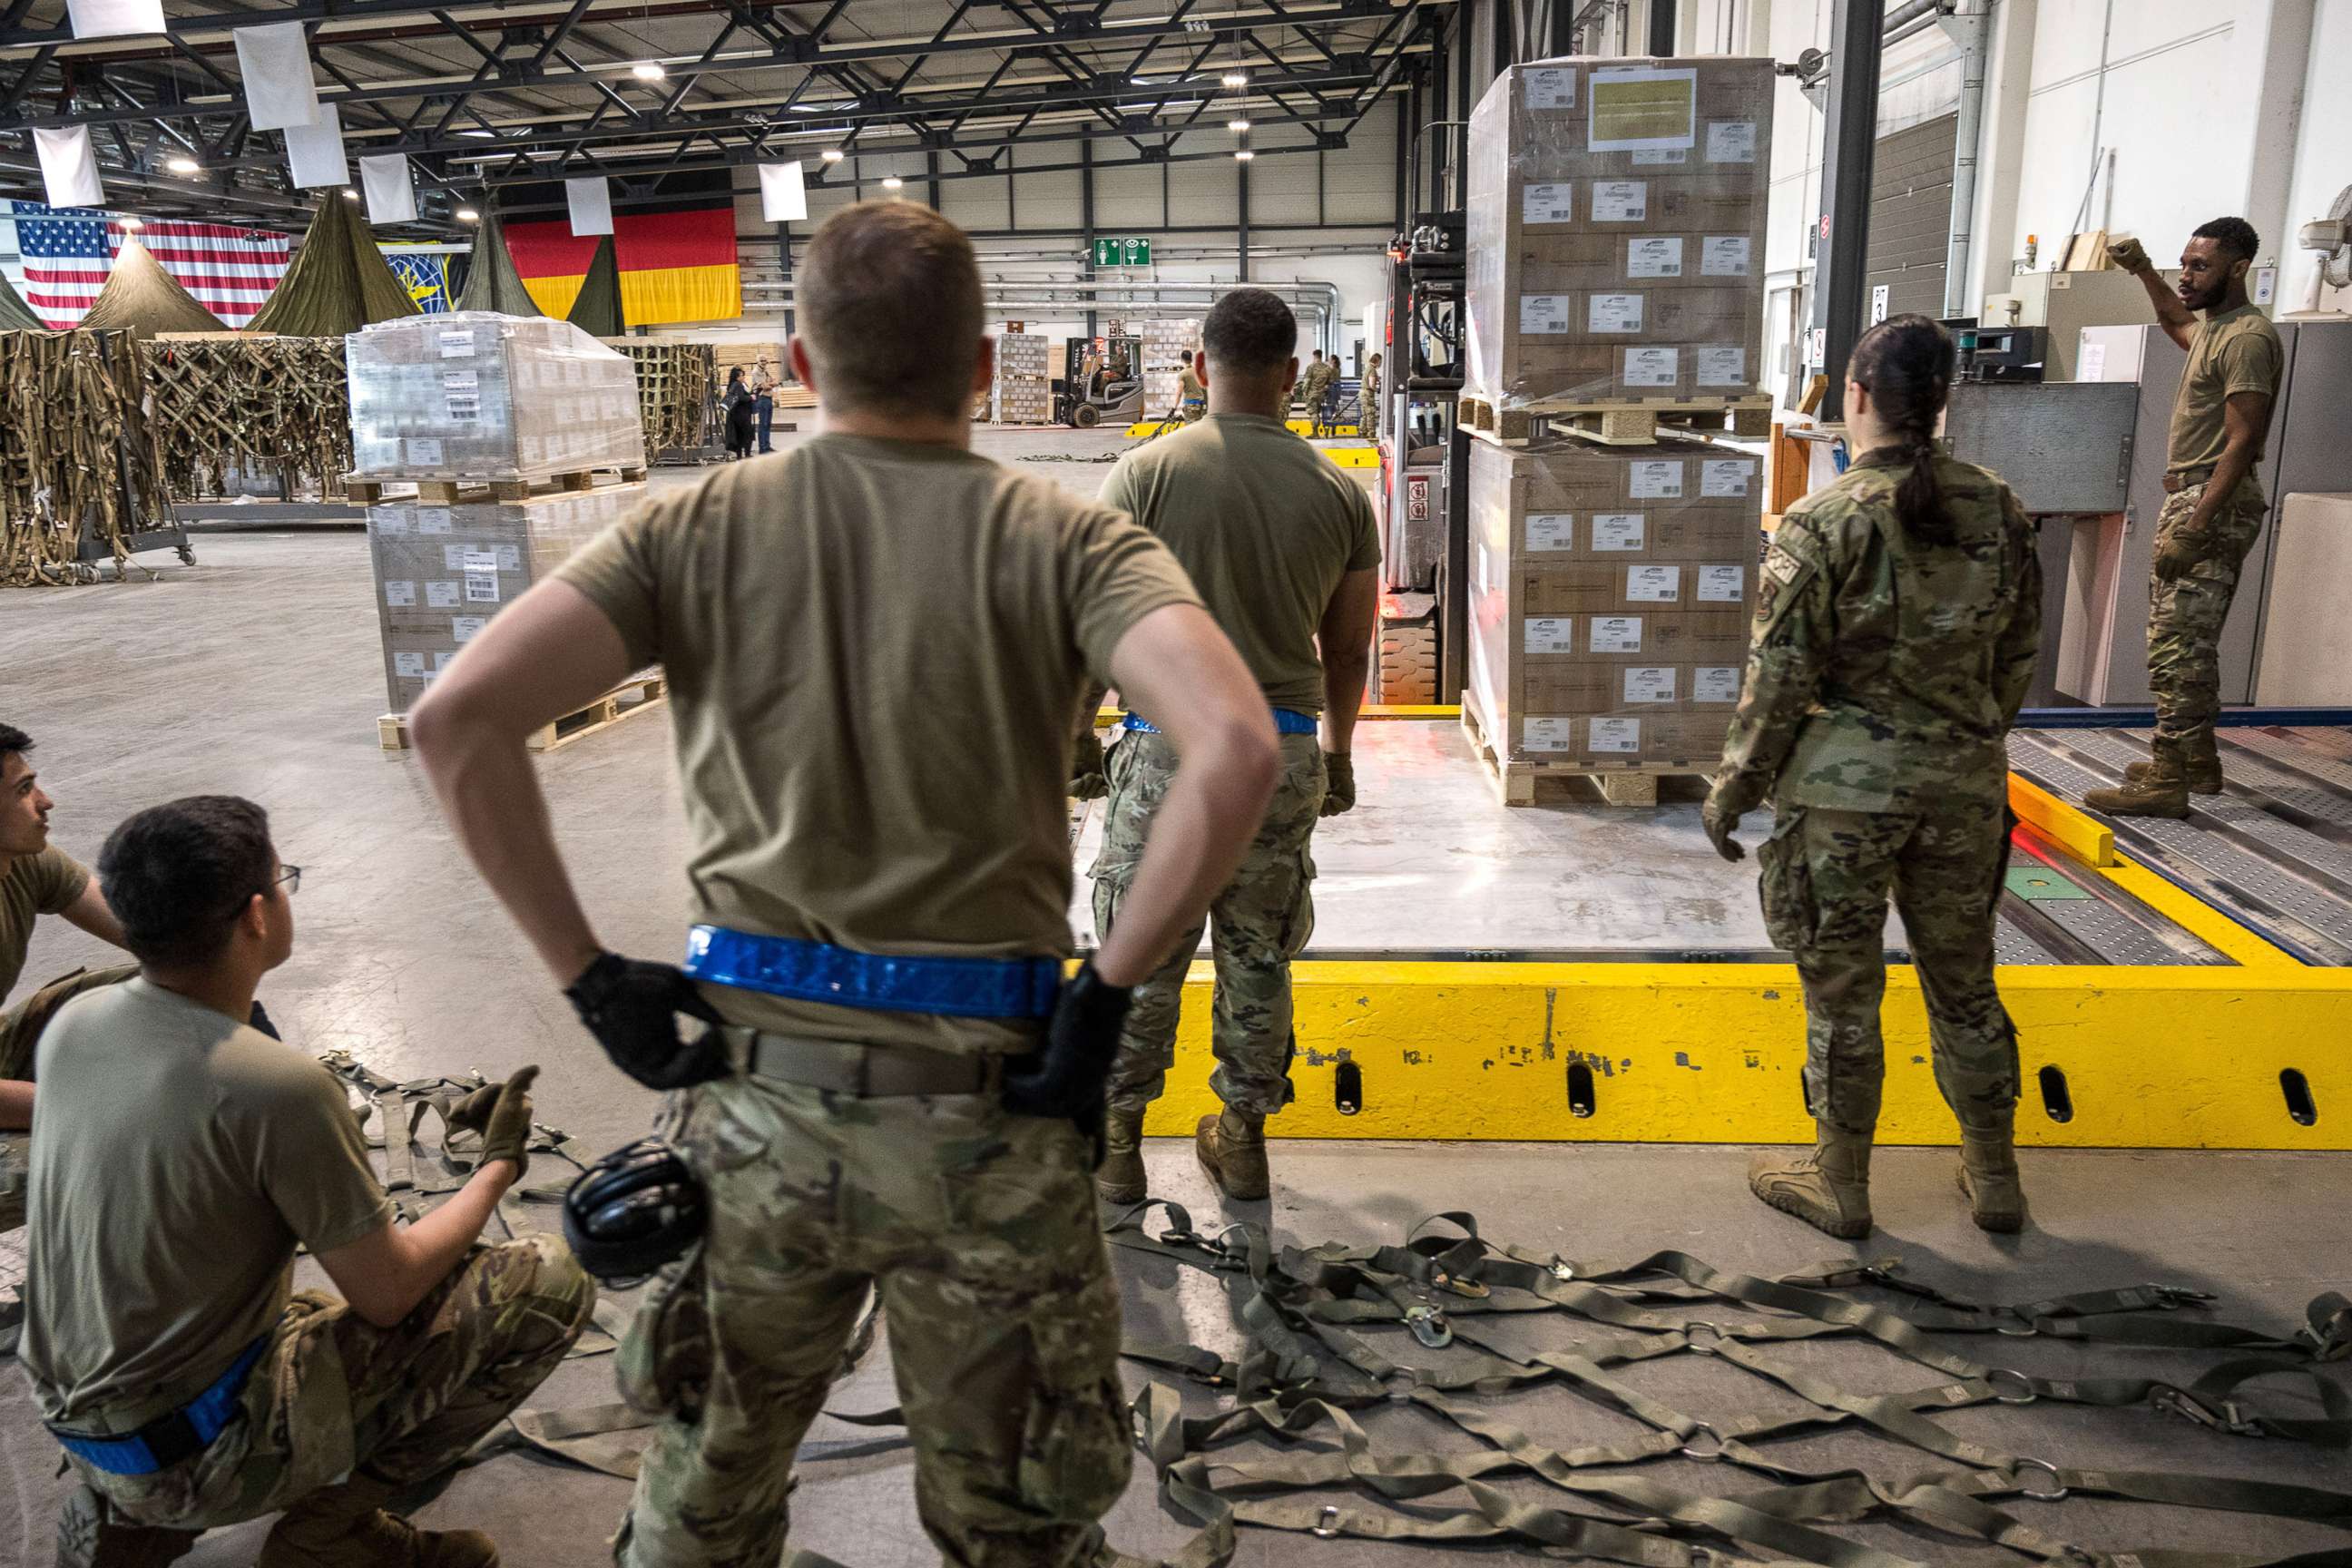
[
  {"x": 1615, "y": 220},
  {"x": 1164, "y": 342},
  {"x": 477, "y": 395},
  {"x": 442, "y": 572},
  {"x": 1019, "y": 393}
]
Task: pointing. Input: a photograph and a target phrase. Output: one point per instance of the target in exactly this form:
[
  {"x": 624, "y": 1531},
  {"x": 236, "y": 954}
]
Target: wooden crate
[
  {"x": 638, "y": 694},
  {"x": 1630, "y": 423},
  {"x": 369, "y": 492}
]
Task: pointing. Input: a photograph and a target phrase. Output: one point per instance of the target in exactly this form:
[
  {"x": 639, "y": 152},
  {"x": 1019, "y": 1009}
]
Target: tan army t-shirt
[
  {"x": 1266, "y": 527},
  {"x": 43, "y": 884},
  {"x": 875, "y": 651},
  {"x": 2234, "y": 350},
  {"x": 177, "y": 1158}
]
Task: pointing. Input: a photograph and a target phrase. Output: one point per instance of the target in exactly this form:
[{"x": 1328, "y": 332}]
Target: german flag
[{"x": 678, "y": 261}]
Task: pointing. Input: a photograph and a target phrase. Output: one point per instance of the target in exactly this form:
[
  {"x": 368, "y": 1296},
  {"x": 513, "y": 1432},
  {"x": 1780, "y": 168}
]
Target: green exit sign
[{"x": 1122, "y": 253}]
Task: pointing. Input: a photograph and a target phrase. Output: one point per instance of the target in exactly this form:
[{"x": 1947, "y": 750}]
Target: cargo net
[
  {"x": 228, "y": 407},
  {"x": 1384, "y": 1392},
  {"x": 674, "y": 392},
  {"x": 77, "y": 458}
]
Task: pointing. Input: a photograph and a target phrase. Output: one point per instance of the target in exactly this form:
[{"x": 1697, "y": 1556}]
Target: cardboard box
[
  {"x": 1621, "y": 738},
  {"x": 1576, "y": 258},
  {"x": 476, "y": 395}
]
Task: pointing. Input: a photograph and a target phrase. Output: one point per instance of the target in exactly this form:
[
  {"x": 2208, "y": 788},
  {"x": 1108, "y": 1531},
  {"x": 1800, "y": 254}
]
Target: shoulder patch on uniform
[{"x": 1781, "y": 565}]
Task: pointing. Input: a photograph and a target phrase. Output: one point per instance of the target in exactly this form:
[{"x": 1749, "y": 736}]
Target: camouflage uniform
[
  {"x": 1881, "y": 682},
  {"x": 978, "y": 1229},
  {"x": 2186, "y": 614},
  {"x": 20, "y": 1032},
  {"x": 1256, "y": 927},
  {"x": 334, "y": 1398}
]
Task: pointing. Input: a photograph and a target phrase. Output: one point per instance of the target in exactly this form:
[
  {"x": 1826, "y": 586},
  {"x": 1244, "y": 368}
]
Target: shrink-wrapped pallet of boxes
[
  {"x": 1164, "y": 342},
  {"x": 1020, "y": 394}
]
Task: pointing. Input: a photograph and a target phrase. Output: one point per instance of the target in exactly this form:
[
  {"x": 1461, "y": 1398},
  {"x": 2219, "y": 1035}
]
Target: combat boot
[
  {"x": 1989, "y": 1180},
  {"x": 88, "y": 1537},
  {"x": 1232, "y": 1151},
  {"x": 346, "y": 1527},
  {"x": 1119, "y": 1178},
  {"x": 2200, "y": 758},
  {"x": 2162, "y": 790},
  {"x": 1828, "y": 1189}
]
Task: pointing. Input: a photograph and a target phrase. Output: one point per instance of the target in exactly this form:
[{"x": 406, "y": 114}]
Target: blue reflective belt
[
  {"x": 1286, "y": 721},
  {"x": 819, "y": 971},
  {"x": 168, "y": 1439}
]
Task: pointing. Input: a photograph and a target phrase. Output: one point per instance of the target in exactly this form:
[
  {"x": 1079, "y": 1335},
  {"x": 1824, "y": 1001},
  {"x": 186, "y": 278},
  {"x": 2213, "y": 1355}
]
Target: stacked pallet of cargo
[
  {"x": 1020, "y": 394},
  {"x": 1164, "y": 343}
]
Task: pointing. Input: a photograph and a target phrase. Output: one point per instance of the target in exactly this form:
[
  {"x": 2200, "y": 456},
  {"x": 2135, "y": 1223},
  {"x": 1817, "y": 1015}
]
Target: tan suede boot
[
  {"x": 90, "y": 1537},
  {"x": 2200, "y": 761},
  {"x": 1989, "y": 1180},
  {"x": 1828, "y": 1189},
  {"x": 2162, "y": 790},
  {"x": 1232, "y": 1151},
  {"x": 346, "y": 1527},
  {"x": 1119, "y": 1179}
]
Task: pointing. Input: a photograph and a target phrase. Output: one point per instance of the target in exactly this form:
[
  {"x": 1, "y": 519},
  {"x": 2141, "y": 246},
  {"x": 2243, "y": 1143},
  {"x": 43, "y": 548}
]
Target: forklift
[
  {"x": 1112, "y": 396},
  {"x": 1424, "y": 462}
]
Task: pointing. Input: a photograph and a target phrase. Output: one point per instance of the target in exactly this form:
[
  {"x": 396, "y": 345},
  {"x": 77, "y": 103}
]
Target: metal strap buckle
[
  {"x": 1429, "y": 1326},
  {"x": 2020, "y": 1467},
  {"x": 1993, "y": 1376},
  {"x": 1705, "y": 1454},
  {"x": 1327, "y": 1527},
  {"x": 1707, "y": 1346},
  {"x": 2228, "y": 1418}
]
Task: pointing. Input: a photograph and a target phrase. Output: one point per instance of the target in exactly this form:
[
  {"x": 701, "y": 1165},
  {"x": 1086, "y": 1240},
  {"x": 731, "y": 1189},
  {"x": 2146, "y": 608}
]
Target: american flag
[{"x": 67, "y": 252}]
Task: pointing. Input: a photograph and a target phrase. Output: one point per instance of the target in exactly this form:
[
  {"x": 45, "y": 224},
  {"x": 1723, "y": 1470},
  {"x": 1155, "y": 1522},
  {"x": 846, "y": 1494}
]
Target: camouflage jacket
[{"x": 1884, "y": 673}]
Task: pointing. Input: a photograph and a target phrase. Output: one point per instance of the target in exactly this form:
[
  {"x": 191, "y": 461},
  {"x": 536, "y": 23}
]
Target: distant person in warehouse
[
  {"x": 1897, "y": 618},
  {"x": 1284, "y": 550},
  {"x": 741, "y": 414},
  {"x": 763, "y": 400},
  {"x": 2212, "y": 508},
  {"x": 179, "y": 1159},
  {"x": 1192, "y": 392},
  {"x": 903, "y": 1090},
  {"x": 36, "y": 878},
  {"x": 1370, "y": 422},
  {"x": 1313, "y": 383}
]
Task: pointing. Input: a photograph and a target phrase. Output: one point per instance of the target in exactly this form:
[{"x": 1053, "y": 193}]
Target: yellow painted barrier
[
  {"x": 2138, "y": 1058},
  {"x": 2084, "y": 837},
  {"x": 1352, "y": 457},
  {"x": 1138, "y": 430}
]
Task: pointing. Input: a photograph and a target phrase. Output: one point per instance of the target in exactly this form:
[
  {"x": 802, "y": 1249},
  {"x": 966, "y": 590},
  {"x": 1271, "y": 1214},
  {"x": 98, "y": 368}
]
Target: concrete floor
[{"x": 255, "y": 672}]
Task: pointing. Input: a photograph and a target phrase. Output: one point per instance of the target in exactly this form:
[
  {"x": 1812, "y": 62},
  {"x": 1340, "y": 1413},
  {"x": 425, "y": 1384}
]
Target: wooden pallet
[
  {"x": 1515, "y": 780},
  {"x": 638, "y": 694},
  {"x": 1633, "y": 422},
  {"x": 368, "y": 490}
]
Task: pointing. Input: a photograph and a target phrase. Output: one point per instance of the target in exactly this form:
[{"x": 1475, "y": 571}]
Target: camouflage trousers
[
  {"x": 977, "y": 1229},
  {"x": 1256, "y": 927},
  {"x": 1826, "y": 877},
  {"x": 20, "y": 1033},
  {"x": 2186, "y": 614},
  {"x": 334, "y": 1396}
]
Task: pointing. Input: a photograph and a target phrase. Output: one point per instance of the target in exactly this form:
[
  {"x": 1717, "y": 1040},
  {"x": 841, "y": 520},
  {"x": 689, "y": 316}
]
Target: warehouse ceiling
[{"x": 522, "y": 91}]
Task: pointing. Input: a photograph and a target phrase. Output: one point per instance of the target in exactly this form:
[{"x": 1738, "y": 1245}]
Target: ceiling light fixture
[
  {"x": 468, "y": 214},
  {"x": 184, "y": 165},
  {"x": 832, "y": 154},
  {"x": 1237, "y": 126},
  {"x": 350, "y": 194},
  {"x": 647, "y": 70},
  {"x": 1243, "y": 154},
  {"x": 893, "y": 184},
  {"x": 1236, "y": 78}
]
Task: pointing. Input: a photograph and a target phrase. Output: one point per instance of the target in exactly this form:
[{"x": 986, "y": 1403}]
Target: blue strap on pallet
[
  {"x": 1286, "y": 721},
  {"x": 820, "y": 971}
]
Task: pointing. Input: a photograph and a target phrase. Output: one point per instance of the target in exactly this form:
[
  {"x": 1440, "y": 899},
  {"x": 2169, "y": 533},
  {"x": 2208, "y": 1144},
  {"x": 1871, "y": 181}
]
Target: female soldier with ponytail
[{"x": 1896, "y": 619}]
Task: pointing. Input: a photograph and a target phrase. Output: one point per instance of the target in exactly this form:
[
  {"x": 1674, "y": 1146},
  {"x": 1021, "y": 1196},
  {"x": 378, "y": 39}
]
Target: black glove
[
  {"x": 631, "y": 1008},
  {"x": 1339, "y": 784},
  {"x": 1069, "y": 1076},
  {"x": 1721, "y": 822}
]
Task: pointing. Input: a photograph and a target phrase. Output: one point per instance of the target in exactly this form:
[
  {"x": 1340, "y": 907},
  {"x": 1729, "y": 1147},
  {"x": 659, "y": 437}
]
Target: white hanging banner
[
  {"x": 783, "y": 195},
  {"x": 590, "y": 201},
  {"x": 68, "y": 167},
  {"x": 114, "y": 19},
  {"x": 314, "y": 154},
  {"x": 275, "y": 65},
  {"x": 391, "y": 193}
]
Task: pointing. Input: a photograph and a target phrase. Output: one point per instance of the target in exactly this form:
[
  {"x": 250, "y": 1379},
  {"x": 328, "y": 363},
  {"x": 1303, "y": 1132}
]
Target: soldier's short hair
[
  {"x": 1250, "y": 331},
  {"x": 2234, "y": 234},
  {"x": 13, "y": 740},
  {"x": 890, "y": 310},
  {"x": 177, "y": 875}
]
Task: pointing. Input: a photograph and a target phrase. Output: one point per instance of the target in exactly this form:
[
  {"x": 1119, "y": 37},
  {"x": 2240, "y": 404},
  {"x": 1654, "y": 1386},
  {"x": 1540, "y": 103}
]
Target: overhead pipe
[{"x": 1968, "y": 150}]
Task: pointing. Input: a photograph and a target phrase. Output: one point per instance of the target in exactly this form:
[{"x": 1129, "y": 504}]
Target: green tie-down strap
[{"x": 1313, "y": 1368}]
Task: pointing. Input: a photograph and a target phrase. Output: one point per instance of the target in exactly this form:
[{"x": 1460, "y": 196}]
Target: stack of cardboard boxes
[
  {"x": 1164, "y": 343},
  {"x": 1021, "y": 395}
]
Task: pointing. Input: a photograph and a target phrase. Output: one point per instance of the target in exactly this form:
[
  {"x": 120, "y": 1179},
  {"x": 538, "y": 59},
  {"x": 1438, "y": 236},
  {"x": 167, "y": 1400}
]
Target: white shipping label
[
  {"x": 442, "y": 595},
  {"x": 441, "y": 660},
  {"x": 453, "y": 556},
  {"x": 1660, "y": 255},
  {"x": 1662, "y": 155},
  {"x": 1731, "y": 141},
  {"x": 462, "y": 628},
  {"x": 1653, "y": 583},
  {"x": 1617, "y": 531},
  {"x": 1722, "y": 584},
  {"x": 464, "y": 405},
  {"x": 1615, "y": 634},
  {"x": 1549, "y": 634},
  {"x": 1544, "y": 313},
  {"x": 1613, "y": 735},
  {"x": 1552, "y": 531},
  {"x": 510, "y": 557},
  {"x": 1649, "y": 683},
  {"x": 1651, "y": 367},
  {"x": 461, "y": 381},
  {"x": 410, "y": 666},
  {"x": 432, "y": 519},
  {"x": 1722, "y": 364},
  {"x": 424, "y": 452},
  {"x": 481, "y": 587},
  {"x": 400, "y": 595},
  {"x": 457, "y": 345},
  {"x": 1550, "y": 87},
  {"x": 1621, "y": 201},
  {"x": 1614, "y": 313},
  {"x": 1656, "y": 478},
  {"x": 1724, "y": 255},
  {"x": 1726, "y": 475},
  {"x": 1548, "y": 735},
  {"x": 1548, "y": 204},
  {"x": 1715, "y": 683},
  {"x": 388, "y": 519}
]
